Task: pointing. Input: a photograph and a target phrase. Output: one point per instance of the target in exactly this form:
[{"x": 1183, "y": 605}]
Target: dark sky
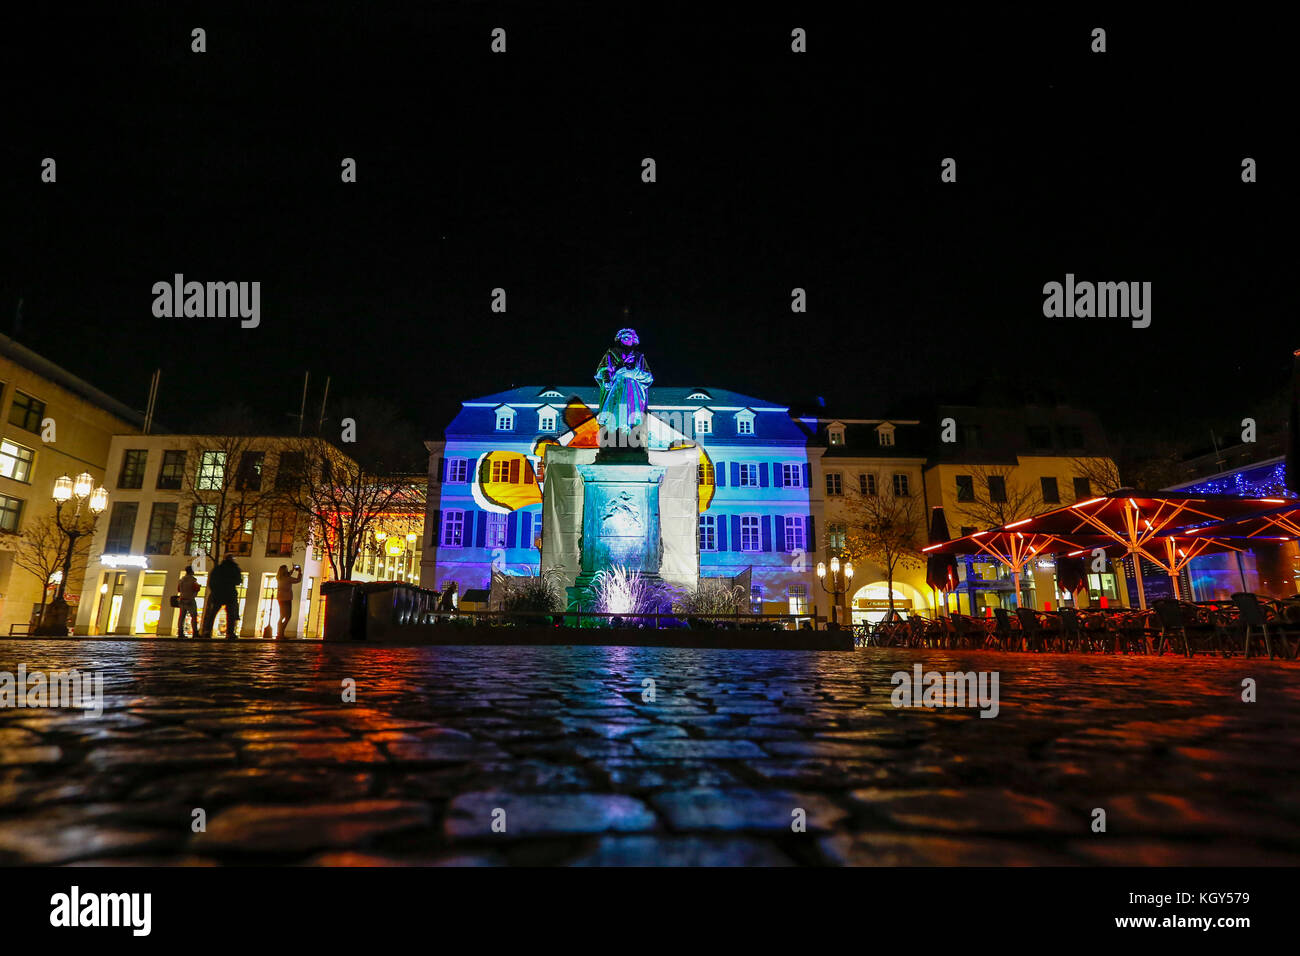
[{"x": 775, "y": 170}]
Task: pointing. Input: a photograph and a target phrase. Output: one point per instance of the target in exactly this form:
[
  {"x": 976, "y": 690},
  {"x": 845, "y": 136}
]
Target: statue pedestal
[{"x": 620, "y": 518}]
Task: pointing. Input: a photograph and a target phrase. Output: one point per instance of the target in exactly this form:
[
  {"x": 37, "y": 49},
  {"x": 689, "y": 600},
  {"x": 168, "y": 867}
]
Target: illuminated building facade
[{"x": 756, "y": 475}]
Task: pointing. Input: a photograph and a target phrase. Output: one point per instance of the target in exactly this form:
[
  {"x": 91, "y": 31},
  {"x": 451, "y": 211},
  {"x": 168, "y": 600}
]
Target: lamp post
[
  {"x": 95, "y": 500},
  {"x": 835, "y": 584}
]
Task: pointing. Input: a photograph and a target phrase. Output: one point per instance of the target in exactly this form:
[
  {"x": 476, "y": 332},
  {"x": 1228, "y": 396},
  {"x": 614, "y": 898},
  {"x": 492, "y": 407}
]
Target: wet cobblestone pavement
[{"x": 588, "y": 773}]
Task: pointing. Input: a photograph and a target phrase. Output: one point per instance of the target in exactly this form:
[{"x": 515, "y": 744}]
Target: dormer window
[
  {"x": 745, "y": 422},
  {"x": 885, "y": 434},
  {"x": 549, "y": 393},
  {"x": 704, "y": 422},
  {"x": 505, "y": 419},
  {"x": 546, "y": 419},
  {"x": 698, "y": 396},
  {"x": 835, "y": 434}
]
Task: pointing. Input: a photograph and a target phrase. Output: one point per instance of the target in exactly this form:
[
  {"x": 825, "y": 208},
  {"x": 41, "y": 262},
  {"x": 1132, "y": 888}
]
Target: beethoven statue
[{"x": 624, "y": 377}]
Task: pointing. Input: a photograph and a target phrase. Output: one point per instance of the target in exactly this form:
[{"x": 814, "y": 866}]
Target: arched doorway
[{"x": 870, "y": 602}]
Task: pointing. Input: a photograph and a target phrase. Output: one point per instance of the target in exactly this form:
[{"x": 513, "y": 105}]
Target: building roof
[{"x": 38, "y": 364}]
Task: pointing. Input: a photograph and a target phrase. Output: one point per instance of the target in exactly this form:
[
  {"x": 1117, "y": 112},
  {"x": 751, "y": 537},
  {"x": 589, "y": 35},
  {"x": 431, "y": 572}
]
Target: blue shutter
[
  {"x": 720, "y": 522},
  {"x": 480, "y": 532},
  {"x": 720, "y": 474},
  {"x": 442, "y": 470},
  {"x": 526, "y": 529},
  {"x": 735, "y": 474},
  {"x": 435, "y": 533},
  {"x": 807, "y": 475},
  {"x": 809, "y": 539},
  {"x": 735, "y": 533},
  {"x": 762, "y": 474},
  {"x": 512, "y": 530},
  {"x": 765, "y": 525}
]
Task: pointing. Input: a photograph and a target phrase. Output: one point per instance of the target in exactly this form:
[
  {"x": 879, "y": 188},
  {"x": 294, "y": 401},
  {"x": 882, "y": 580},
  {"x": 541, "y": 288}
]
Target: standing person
[
  {"x": 223, "y": 591},
  {"x": 187, "y": 593},
  {"x": 284, "y": 582}
]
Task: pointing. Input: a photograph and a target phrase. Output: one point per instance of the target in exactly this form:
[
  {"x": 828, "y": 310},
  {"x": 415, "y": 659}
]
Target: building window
[
  {"x": 756, "y": 599},
  {"x": 705, "y": 473},
  {"x": 794, "y": 533},
  {"x": 132, "y": 473},
  {"x": 792, "y": 475},
  {"x": 1040, "y": 437},
  {"x": 249, "y": 476},
  {"x": 162, "y": 528},
  {"x": 1082, "y": 489},
  {"x": 212, "y": 470},
  {"x": 750, "y": 537},
  {"x": 703, "y": 423},
  {"x": 798, "y": 595},
  {"x": 11, "y": 513},
  {"x": 288, "y": 473},
  {"x": 457, "y": 471},
  {"x": 745, "y": 423},
  {"x": 172, "y": 472},
  {"x": 537, "y": 528},
  {"x": 505, "y": 419},
  {"x": 886, "y": 436},
  {"x": 997, "y": 488},
  {"x": 26, "y": 412},
  {"x": 453, "y": 529},
  {"x": 836, "y": 535},
  {"x": 15, "y": 461},
  {"x": 834, "y": 483},
  {"x": 203, "y": 520},
  {"x": 835, "y": 435},
  {"x": 1051, "y": 494},
  {"x": 546, "y": 420},
  {"x": 901, "y": 488},
  {"x": 280, "y": 533},
  {"x": 241, "y": 533},
  {"x": 708, "y": 533},
  {"x": 965, "y": 488},
  {"x": 967, "y": 530},
  {"x": 748, "y": 475},
  {"x": 867, "y": 484},
  {"x": 506, "y": 471},
  {"x": 496, "y": 530},
  {"x": 121, "y": 527}
]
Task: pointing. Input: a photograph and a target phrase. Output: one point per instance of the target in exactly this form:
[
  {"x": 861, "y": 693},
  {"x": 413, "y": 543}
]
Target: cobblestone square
[{"x": 742, "y": 758}]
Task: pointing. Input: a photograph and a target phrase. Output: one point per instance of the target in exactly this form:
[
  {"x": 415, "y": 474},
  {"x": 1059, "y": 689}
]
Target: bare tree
[
  {"x": 1102, "y": 473},
  {"x": 42, "y": 546},
  {"x": 998, "y": 499},
  {"x": 343, "y": 500},
  {"x": 224, "y": 488},
  {"x": 885, "y": 529}
]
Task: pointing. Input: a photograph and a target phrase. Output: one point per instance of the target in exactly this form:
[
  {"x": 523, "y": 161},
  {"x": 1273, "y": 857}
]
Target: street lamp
[
  {"x": 835, "y": 584},
  {"x": 95, "y": 500}
]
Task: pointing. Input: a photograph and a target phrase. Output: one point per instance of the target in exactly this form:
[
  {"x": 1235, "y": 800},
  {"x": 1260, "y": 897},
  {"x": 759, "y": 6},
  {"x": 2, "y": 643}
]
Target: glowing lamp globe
[
  {"x": 381, "y": 536},
  {"x": 62, "y": 489},
  {"x": 821, "y": 569},
  {"x": 84, "y": 484},
  {"x": 835, "y": 565},
  {"x": 99, "y": 500},
  {"x": 848, "y": 569}
]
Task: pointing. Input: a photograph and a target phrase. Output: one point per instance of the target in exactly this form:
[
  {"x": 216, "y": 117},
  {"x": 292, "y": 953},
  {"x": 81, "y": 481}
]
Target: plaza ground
[{"x": 713, "y": 771}]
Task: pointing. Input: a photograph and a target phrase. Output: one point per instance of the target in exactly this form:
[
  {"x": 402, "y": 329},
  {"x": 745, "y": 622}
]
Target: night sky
[{"x": 775, "y": 170}]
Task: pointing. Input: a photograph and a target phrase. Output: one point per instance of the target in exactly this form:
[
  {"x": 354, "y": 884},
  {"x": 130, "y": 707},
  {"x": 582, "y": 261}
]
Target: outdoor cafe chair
[
  {"x": 1031, "y": 632},
  {"x": 1253, "y": 618},
  {"x": 1173, "y": 626},
  {"x": 1071, "y": 633},
  {"x": 1000, "y": 637}
]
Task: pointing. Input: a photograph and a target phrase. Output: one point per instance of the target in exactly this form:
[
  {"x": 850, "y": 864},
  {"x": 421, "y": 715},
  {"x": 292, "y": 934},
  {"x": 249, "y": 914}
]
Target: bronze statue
[{"x": 624, "y": 378}]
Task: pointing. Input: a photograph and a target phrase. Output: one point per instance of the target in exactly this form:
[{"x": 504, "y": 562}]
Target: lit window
[
  {"x": 798, "y": 594},
  {"x": 505, "y": 419},
  {"x": 756, "y": 599},
  {"x": 901, "y": 487},
  {"x": 496, "y": 531},
  {"x": 745, "y": 423},
  {"x": 546, "y": 419},
  {"x": 457, "y": 471},
  {"x": 836, "y": 535},
  {"x": 507, "y": 471},
  {"x": 280, "y": 534},
  {"x": 748, "y": 475},
  {"x": 212, "y": 470},
  {"x": 886, "y": 435},
  {"x": 835, "y": 434},
  {"x": 794, "y": 533},
  {"x": 705, "y": 472},
  {"x": 750, "y": 536},
  {"x": 708, "y": 533},
  {"x": 453, "y": 529},
  {"x": 202, "y": 524},
  {"x": 15, "y": 461},
  {"x": 792, "y": 475},
  {"x": 834, "y": 483},
  {"x": 703, "y": 423}
]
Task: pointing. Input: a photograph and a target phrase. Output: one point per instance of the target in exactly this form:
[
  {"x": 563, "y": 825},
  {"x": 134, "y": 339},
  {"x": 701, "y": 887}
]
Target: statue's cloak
[{"x": 624, "y": 379}]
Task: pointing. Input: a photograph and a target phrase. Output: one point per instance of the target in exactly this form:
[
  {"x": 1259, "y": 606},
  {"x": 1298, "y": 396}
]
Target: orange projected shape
[
  {"x": 506, "y": 479},
  {"x": 586, "y": 435},
  {"x": 576, "y": 413}
]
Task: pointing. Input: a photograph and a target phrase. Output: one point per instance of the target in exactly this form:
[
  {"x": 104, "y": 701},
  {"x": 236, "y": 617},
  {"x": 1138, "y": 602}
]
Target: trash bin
[{"x": 345, "y": 610}]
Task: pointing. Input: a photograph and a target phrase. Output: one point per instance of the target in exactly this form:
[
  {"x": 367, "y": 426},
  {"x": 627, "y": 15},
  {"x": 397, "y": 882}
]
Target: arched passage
[{"x": 871, "y": 601}]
